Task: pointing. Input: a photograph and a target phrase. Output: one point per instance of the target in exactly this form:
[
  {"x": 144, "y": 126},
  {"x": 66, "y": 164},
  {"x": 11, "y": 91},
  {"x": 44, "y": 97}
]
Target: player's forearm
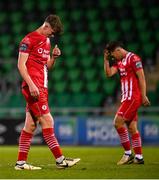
[
  {"x": 51, "y": 62},
  {"x": 142, "y": 85},
  {"x": 55, "y": 54},
  {"x": 107, "y": 68},
  {"x": 24, "y": 73}
]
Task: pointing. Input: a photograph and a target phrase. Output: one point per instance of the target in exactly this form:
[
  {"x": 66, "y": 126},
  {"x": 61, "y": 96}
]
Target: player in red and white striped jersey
[
  {"x": 133, "y": 95},
  {"x": 33, "y": 63}
]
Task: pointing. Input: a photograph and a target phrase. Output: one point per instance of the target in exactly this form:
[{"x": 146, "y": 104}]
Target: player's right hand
[
  {"x": 34, "y": 91},
  {"x": 56, "y": 52},
  {"x": 145, "y": 101},
  {"x": 106, "y": 55}
]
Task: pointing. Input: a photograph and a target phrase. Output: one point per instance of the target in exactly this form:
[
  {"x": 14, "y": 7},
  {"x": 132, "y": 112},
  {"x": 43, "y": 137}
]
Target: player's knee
[
  {"x": 30, "y": 128},
  {"x": 33, "y": 127},
  {"x": 46, "y": 121},
  {"x": 118, "y": 122},
  {"x": 115, "y": 125},
  {"x": 132, "y": 130}
]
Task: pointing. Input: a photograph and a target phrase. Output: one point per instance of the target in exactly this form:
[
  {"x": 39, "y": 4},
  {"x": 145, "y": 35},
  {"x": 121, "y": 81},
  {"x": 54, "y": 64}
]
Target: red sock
[
  {"x": 51, "y": 141},
  {"x": 24, "y": 145},
  {"x": 124, "y": 138},
  {"x": 136, "y": 143}
]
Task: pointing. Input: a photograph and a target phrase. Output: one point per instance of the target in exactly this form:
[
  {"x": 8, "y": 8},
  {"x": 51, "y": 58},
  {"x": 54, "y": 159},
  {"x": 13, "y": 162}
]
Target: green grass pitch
[{"x": 96, "y": 163}]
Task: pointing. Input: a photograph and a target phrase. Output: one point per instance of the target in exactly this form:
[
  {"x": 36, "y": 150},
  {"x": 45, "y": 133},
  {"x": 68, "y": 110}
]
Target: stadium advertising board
[
  {"x": 10, "y": 131},
  {"x": 66, "y": 130},
  {"x": 150, "y": 130},
  {"x": 87, "y": 130},
  {"x": 97, "y": 131}
]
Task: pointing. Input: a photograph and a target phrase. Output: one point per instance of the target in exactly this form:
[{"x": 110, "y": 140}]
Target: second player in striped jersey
[{"x": 133, "y": 95}]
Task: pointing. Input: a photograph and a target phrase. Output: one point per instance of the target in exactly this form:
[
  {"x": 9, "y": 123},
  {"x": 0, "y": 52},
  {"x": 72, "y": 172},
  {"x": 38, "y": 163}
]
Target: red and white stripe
[
  {"x": 52, "y": 142},
  {"x": 45, "y": 76},
  {"x": 127, "y": 83},
  {"x": 25, "y": 141},
  {"x": 126, "y": 89},
  {"x": 24, "y": 145},
  {"x": 136, "y": 140},
  {"x": 124, "y": 138}
]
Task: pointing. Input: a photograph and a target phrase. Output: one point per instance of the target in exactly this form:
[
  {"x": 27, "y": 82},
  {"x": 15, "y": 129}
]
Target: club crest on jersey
[
  {"x": 138, "y": 64},
  {"x": 40, "y": 50},
  {"x": 44, "y": 107}
]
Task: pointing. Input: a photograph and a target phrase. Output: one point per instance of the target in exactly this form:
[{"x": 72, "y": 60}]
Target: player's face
[
  {"x": 117, "y": 54},
  {"x": 48, "y": 30}
]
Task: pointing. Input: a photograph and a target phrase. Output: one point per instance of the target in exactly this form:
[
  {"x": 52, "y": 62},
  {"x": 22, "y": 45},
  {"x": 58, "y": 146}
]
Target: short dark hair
[
  {"x": 55, "y": 23},
  {"x": 111, "y": 46}
]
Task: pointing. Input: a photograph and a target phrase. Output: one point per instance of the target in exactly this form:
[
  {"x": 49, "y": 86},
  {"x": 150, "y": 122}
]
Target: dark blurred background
[{"x": 78, "y": 79}]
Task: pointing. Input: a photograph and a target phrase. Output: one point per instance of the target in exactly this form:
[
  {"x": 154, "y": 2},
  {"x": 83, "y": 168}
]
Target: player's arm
[
  {"x": 142, "y": 84},
  {"x": 109, "y": 71},
  {"x": 22, "y": 59},
  {"x": 50, "y": 62},
  {"x": 56, "y": 52}
]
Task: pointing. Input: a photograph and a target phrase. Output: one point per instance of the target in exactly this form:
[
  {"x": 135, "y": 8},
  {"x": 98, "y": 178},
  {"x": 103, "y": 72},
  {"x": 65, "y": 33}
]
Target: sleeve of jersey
[
  {"x": 25, "y": 45},
  {"x": 136, "y": 63}
]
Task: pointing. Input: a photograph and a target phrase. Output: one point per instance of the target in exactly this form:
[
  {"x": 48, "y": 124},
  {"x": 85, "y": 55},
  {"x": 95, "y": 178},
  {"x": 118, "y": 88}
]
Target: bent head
[
  {"x": 52, "y": 26},
  {"x": 116, "y": 50}
]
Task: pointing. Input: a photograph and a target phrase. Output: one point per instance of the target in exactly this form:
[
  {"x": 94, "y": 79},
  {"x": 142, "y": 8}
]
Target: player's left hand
[
  {"x": 56, "y": 52},
  {"x": 106, "y": 55},
  {"x": 145, "y": 101}
]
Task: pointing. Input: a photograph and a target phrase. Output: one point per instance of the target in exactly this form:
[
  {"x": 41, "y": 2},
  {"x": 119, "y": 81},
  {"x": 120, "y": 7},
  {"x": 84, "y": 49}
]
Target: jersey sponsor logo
[
  {"x": 23, "y": 47},
  {"x": 45, "y": 53},
  {"x": 41, "y": 50},
  {"x": 44, "y": 107},
  {"x": 122, "y": 71},
  {"x": 138, "y": 64}
]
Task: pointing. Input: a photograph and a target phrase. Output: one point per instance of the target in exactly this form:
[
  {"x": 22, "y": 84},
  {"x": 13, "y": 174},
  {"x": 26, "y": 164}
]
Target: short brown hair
[
  {"x": 111, "y": 46},
  {"x": 55, "y": 23}
]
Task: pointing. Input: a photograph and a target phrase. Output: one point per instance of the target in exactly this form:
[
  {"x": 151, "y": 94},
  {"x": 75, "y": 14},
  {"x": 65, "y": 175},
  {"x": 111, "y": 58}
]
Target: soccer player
[
  {"x": 33, "y": 63},
  {"x": 133, "y": 95}
]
